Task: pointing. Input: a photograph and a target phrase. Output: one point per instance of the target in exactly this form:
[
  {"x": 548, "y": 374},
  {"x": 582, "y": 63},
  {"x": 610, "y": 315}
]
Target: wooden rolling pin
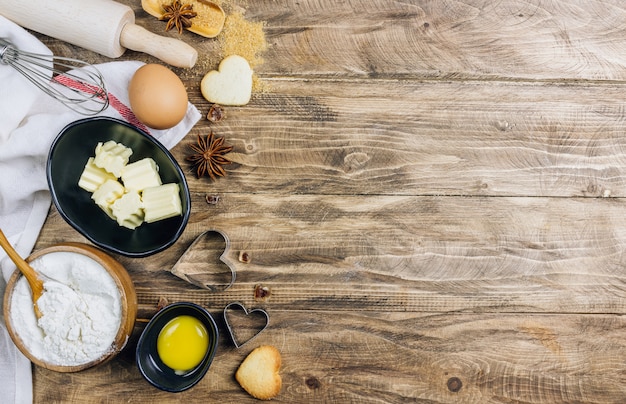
[{"x": 103, "y": 26}]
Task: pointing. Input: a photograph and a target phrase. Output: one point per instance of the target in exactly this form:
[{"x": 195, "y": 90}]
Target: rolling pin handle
[{"x": 172, "y": 51}]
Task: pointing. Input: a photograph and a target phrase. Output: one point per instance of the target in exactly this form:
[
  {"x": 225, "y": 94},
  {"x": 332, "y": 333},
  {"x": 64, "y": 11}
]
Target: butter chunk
[
  {"x": 106, "y": 194},
  {"x": 161, "y": 202},
  {"x": 112, "y": 157},
  {"x": 128, "y": 210},
  {"x": 141, "y": 174},
  {"x": 93, "y": 176}
]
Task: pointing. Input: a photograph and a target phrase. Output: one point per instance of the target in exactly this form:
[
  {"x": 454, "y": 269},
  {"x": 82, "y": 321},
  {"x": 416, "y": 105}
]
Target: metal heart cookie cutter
[
  {"x": 200, "y": 263},
  {"x": 249, "y": 324}
]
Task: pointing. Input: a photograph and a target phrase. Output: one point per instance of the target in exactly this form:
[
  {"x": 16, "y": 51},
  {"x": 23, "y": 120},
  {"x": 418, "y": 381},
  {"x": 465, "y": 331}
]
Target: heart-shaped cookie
[
  {"x": 231, "y": 84},
  {"x": 205, "y": 263},
  {"x": 244, "y": 325},
  {"x": 258, "y": 373}
]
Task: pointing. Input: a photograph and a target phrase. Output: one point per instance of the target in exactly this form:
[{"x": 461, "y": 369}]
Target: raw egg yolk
[{"x": 182, "y": 343}]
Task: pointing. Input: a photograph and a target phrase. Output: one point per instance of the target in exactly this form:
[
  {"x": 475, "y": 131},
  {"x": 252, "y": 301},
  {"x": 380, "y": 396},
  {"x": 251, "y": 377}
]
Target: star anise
[
  {"x": 178, "y": 16},
  {"x": 208, "y": 157}
]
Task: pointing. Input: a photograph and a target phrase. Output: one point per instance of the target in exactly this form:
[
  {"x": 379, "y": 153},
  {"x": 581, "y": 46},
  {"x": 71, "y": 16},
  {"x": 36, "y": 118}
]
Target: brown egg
[{"x": 158, "y": 97}]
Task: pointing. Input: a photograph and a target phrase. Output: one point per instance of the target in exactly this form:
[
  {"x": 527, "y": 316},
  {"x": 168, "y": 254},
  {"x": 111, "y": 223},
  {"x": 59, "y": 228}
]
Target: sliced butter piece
[
  {"x": 161, "y": 202},
  {"x": 106, "y": 194},
  {"x": 93, "y": 176},
  {"x": 128, "y": 210},
  {"x": 141, "y": 174},
  {"x": 112, "y": 157}
]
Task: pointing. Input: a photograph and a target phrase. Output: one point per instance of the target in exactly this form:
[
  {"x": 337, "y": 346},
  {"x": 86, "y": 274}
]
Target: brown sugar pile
[
  {"x": 238, "y": 37},
  {"x": 246, "y": 39}
]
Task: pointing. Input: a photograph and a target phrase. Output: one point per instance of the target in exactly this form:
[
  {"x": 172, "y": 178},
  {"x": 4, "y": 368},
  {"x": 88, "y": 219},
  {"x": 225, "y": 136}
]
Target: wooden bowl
[{"x": 128, "y": 301}]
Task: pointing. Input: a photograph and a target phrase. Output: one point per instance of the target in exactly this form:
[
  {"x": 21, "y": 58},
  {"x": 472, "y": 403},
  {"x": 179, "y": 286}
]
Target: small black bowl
[
  {"x": 150, "y": 364},
  {"x": 69, "y": 153}
]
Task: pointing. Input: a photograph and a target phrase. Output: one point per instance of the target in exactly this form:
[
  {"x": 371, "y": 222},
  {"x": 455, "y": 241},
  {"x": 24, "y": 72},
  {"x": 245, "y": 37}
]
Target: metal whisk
[{"x": 75, "y": 83}]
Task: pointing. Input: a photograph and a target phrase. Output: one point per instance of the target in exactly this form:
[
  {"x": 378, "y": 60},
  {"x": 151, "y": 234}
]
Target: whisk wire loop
[{"x": 75, "y": 83}]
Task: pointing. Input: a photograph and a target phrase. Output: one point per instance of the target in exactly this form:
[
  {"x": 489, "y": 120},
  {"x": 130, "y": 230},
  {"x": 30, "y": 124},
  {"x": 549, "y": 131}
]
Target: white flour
[{"x": 80, "y": 306}]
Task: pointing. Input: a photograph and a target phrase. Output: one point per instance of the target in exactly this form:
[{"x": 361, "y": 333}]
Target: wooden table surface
[{"x": 430, "y": 191}]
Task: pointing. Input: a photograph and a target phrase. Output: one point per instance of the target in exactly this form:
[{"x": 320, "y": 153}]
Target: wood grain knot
[
  {"x": 212, "y": 199},
  {"x": 313, "y": 383},
  {"x": 503, "y": 126},
  {"x": 454, "y": 384},
  {"x": 355, "y": 161}
]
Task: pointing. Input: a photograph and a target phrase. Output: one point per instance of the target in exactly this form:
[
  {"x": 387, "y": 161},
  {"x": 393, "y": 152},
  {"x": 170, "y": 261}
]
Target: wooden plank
[
  {"x": 395, "y": 253},
  {"x": 374, "y": 357},
  {"x": 424, "y": 138},
  {"x": 511, "y": 39},
  {"x": 417, "y": 39}
]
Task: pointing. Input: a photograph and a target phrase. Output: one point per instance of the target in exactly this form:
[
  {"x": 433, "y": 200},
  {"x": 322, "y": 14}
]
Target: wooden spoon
[
  {"x": 208, "y": 22},
  {"x": 36, "y": 284}
]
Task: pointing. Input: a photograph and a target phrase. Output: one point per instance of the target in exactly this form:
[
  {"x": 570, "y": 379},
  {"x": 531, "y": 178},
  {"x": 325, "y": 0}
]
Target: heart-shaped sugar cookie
[
  {"x": 231, "y": 84},
  {"x": 258, "y": 373}
]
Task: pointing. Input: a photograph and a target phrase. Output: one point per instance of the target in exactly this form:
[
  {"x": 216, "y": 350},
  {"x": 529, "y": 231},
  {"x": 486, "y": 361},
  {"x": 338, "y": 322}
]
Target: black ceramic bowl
[
  {"x": 150, "y": 364},
  {"x": 66, "y": 161}
]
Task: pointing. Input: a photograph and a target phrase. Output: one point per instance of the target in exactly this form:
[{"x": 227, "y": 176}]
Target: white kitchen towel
[{"x": 29, "y": 122}]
